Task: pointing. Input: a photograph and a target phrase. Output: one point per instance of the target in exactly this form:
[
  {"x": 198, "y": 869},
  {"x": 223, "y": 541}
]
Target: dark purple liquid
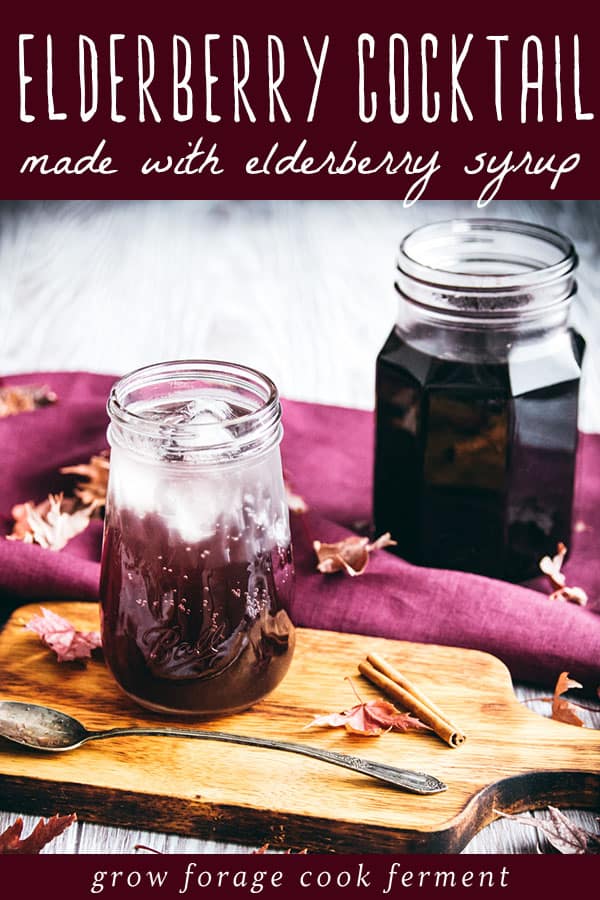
[
  {"x": 198, "y": 628},
  {"x": 467, "y": 475}
]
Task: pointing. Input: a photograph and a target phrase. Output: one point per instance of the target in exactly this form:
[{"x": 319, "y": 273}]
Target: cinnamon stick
[{"x": 379, "y": 671}]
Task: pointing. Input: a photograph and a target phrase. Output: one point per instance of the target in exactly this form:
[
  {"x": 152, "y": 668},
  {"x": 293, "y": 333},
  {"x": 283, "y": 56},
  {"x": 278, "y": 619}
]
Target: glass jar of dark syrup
[
  {"x": 197, "y": 573},
  {"x": 477, "y": 393}
]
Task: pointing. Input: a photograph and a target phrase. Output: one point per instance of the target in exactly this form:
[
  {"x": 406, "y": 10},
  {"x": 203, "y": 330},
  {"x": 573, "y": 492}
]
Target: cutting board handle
[{"x": 516, "y": 794}]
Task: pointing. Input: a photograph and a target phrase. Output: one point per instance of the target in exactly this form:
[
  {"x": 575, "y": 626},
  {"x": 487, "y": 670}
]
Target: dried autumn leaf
[
  {"x": 370, "y": 719},
  {"x": 390, "y": 718},
  {"x": 42, "y": 834},
  {"x": 355, "y": 720},
  {"x": 22, "y": 529},
  {"x": 562, "y": 709},
  {"x": 21, "y": 512},
  {"x": 24, "y": 398},
  {"x": 552, "y": 568},
  {"x": 570, "y": 595},
  {"x": 96, "y": 472},
  {"x": 52, "y": 523},
  {"x": 61, "y": 636},
  {"x": 564, "y": 835},
  {"x": 350, "y": 554}
]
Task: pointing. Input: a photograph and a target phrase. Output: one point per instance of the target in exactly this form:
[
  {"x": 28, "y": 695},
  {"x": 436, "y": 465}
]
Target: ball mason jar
[
  {"x": 477, "y": 394},
  {"x": 197, "y": 572}
]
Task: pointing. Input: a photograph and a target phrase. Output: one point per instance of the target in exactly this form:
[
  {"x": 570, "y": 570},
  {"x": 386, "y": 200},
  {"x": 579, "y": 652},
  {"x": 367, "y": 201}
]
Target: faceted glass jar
[
  {"x": 477, "y": 393},
  {"x": 197, "y": 572}
]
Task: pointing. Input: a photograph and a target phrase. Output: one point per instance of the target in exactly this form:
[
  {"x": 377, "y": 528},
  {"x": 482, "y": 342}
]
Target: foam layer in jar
[{"x": 243, "y": 501}]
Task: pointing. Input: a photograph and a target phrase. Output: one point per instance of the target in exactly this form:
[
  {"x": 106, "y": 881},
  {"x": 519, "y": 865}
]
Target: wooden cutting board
[{"x": 513, "y": 758}]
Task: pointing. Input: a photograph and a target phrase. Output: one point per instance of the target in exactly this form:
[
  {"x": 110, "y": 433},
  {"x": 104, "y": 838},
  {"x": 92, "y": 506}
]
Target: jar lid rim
[
  {"x": 251, "y": 431},
  {"x": 450, "y": 230},
  {"x": 184, "y": 369}
]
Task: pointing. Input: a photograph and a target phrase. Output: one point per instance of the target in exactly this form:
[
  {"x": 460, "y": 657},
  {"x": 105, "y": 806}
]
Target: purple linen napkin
[{"x": 327, "y": 453}]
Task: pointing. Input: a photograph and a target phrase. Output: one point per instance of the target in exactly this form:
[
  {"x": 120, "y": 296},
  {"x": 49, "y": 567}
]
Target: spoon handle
[{"x": 416, "y": 782}]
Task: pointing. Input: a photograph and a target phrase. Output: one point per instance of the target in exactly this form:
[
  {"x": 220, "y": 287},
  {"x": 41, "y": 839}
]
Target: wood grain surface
[{"x": 513, "y": 758}]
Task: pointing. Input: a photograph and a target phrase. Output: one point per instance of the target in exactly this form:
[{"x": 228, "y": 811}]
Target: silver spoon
[{"x": 43, "y": 728}]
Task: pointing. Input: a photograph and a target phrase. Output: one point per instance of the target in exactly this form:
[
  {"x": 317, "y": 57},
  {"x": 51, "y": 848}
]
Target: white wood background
[{"x": 300, "y": 289}]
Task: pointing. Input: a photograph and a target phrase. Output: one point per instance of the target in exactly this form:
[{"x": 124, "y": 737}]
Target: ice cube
[
  {"x": 210, "y": 415},
  {"x": 187, "y": 411},
  {"x": 171, "y": 414},
  {"x": 201, "y": 412}
]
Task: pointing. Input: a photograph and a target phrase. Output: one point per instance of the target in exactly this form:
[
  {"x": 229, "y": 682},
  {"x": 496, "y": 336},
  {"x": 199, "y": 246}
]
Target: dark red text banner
[
  {"x": 121, "y": 877},
  {"x": 443, "y": 101}
]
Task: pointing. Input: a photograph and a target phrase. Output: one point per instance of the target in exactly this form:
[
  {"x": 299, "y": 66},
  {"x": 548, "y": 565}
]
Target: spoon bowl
[
  {"x": 40, "y": 727},
  {"x": 45, "y": 729}
]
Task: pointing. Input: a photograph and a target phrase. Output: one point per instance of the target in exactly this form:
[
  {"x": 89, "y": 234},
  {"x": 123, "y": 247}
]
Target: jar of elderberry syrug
[
  {"x": 477, "y": 393},
  {"x": 197, "y": 573}
]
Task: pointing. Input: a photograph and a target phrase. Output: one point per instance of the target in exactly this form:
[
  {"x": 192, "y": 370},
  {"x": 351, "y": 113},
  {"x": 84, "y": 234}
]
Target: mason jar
[
  {"x": 477, "y": 394},
  {"x": 197, "y": 572}
]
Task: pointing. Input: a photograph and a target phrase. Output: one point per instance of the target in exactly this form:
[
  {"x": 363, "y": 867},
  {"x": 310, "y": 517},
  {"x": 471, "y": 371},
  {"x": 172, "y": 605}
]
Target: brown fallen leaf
[
  {"x": 350, "y": 554},
  {"x": 564, "y": 683},
  {"x": 563, "y": 710},
  {"x": 21, "y": 512},
  {"x": 52, "y": 523},
  {"x": 552, "y": 568},
  {"x": 42, "y": 834},
  {"x": 93, "y": 490},
  {"x": 21, "y": 529},
  {"x": 17, "y": 399},
  {"x": 564, "y": 835},
  {"x": 61, "y": 636},
  {"x": 369, "y": 719},
  {"x": 570, "y": 595}
]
